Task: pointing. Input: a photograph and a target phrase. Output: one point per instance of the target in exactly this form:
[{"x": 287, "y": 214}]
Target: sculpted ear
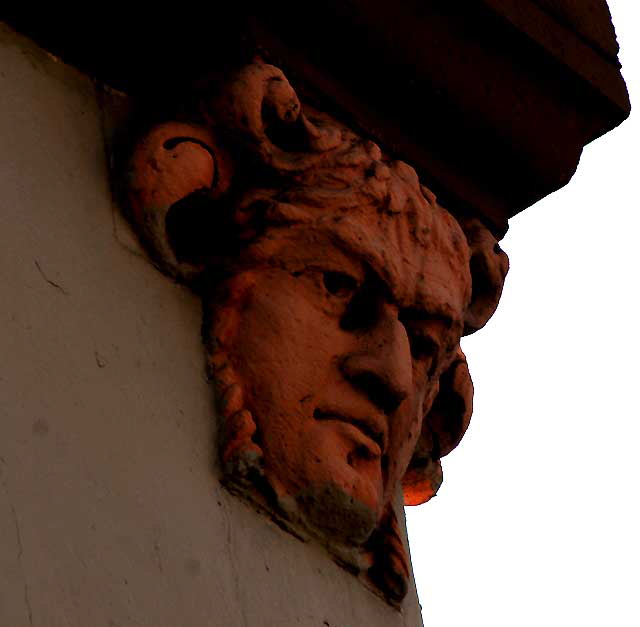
[
  {"x": 489, "y": 266},
  {"x": 174, "y": 175},
  {"x": 442, "y": 429}
]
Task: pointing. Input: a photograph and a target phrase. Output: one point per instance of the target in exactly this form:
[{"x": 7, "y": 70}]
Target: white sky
[{"x": 537, "y": 522}]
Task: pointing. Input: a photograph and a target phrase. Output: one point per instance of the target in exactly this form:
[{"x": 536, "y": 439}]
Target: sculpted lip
[{"x": 369, "y": 426}]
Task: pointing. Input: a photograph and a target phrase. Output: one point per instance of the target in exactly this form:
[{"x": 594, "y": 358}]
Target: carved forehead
[
  {"x": 410, "y": 242},
  {"x": 423, "y": 259}
]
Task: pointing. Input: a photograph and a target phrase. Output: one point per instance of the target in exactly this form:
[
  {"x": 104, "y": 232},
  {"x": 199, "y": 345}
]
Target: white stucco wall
[{"x": 110, "y": 511}]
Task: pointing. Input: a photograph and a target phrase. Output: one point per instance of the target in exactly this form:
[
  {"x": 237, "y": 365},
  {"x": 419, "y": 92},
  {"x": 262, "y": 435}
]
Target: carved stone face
[
  {"x": 335, "y": 293},
  {"x": 338, "y": 361}
]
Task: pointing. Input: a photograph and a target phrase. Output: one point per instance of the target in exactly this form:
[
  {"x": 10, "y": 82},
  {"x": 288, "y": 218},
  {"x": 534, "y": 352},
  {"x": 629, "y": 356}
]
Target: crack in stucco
[
  {"x": 16, "y": 522},
  {"x": 27, "y": 602},
  {"x": 49, "y": 281},
  {"x": 18, "y": 534},
  {"x": 14, "y": 515}
]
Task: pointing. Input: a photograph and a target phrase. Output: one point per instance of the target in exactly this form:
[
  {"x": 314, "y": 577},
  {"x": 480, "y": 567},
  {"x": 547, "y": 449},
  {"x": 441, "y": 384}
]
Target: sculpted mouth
[{"x": 368, "y": 426}]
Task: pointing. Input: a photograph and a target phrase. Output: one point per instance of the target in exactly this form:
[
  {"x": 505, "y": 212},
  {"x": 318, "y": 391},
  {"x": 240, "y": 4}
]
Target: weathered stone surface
[
  {"x": 335, "y": 293},
  {"x": 110, "y": 508}
]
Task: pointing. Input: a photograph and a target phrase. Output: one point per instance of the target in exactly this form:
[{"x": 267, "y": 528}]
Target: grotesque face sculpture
[
  {"x": 335, "y": 363},
  {"x": 336, "y": 291}
]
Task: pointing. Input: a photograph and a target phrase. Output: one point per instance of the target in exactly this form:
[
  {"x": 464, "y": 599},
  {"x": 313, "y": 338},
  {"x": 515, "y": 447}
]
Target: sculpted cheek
[{"x": 334, "y": 290}]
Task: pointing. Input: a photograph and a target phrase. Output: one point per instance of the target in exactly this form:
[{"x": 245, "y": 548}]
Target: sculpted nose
[{"x": 381, "y": 368}]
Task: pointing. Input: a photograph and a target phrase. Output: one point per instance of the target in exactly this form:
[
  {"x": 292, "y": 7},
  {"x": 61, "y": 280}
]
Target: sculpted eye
[{"x": 339, "y": 284}]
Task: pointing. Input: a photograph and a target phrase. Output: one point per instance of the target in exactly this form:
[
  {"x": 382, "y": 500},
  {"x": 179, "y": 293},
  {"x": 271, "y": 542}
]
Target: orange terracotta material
[{"x": 336, "y": 291}]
